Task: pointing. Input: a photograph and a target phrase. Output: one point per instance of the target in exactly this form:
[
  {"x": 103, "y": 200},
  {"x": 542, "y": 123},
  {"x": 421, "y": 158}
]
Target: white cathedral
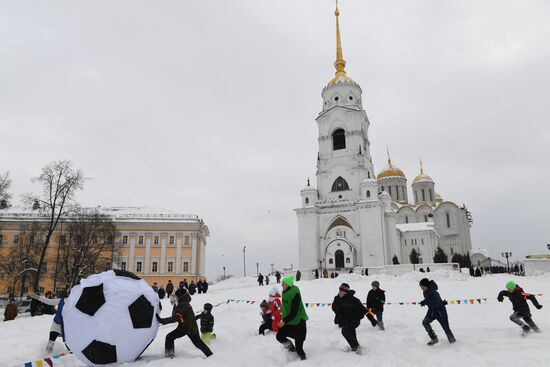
[{"x": 355, "y": 218}]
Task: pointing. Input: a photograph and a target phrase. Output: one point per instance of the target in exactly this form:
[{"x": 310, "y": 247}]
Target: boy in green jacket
[{"x": 293, "y": 324}]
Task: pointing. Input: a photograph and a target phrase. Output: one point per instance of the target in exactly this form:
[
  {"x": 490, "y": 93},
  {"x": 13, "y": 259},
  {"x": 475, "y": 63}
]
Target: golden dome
[
  {"x": 422, "y": 177},
  {"x": 390, "y": 171}
]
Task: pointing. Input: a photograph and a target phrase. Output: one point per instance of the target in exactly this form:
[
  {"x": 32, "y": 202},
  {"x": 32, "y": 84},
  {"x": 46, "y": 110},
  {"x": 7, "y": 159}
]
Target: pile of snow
[{"x": 485, "y": 335}]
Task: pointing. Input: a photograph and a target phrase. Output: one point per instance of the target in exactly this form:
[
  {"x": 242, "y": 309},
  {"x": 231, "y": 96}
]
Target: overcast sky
[{"x": 209, "y": 107}]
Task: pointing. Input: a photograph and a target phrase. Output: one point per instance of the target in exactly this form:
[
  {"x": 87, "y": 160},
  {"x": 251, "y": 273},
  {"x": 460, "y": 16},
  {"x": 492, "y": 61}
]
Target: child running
[
  {"x": 207, "y": 323},
  {"x": 275, "y": 306},
  {"x": 375, "y": 304},
  {"x": 436, "y": 311},
  {"x": 521, "y": 309}
]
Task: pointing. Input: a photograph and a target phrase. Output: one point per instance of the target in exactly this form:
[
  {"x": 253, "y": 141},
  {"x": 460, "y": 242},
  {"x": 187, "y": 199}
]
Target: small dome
[
  {"x": 422, "y": 177},
  {"x": 390, "y": 171},
  {"x": 341, "y": 79},
  {"x": 437, "y": 197}
]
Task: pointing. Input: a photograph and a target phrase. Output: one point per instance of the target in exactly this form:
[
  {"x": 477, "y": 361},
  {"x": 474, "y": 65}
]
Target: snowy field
[{"x": 485, "y": 335}]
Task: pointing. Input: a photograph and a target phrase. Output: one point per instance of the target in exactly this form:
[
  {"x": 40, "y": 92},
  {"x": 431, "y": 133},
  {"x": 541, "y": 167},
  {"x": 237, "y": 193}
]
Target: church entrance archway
[{"x": 339, "y": 259}]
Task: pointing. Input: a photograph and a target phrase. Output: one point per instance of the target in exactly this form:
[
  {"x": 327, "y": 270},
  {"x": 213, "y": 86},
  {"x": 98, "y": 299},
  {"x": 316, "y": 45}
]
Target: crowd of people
[{"x": 285, "y": 315}]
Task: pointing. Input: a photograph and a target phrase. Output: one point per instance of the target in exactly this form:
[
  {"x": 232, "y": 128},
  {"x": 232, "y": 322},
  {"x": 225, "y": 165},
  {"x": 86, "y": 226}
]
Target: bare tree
[
  {"x": 90, "y": 245},
  {"x": 59, "y": 182},
  {"x": 20, "y": 264},
  {"x": 5, "y": 196}
]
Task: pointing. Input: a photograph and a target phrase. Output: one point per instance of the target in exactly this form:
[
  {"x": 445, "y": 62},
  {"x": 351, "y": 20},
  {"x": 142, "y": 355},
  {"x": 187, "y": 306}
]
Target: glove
[
  {"x": 422, "y": 303},
  {"x": 539, "y": 307},
  {"x": 500, "y": 298},
  {"x": 445, "y": 302}
]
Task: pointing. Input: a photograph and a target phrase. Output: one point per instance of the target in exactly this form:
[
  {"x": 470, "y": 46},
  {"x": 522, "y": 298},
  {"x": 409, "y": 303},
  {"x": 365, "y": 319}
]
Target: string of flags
[
  {"x": 48, "y": 361},
  {"x": 462, "y": 301}
]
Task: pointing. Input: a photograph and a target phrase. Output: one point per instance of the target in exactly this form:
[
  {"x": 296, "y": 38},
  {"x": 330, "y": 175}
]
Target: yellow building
[{"x": 157, "y": 245}]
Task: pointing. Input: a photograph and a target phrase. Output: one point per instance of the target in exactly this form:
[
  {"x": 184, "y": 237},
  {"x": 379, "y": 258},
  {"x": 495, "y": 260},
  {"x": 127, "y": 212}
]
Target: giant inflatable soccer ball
[{"x": 110, "y": 317}]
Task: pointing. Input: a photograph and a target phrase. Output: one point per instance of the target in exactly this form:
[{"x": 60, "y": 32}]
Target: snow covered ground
[{"x": 485, "y": 335}]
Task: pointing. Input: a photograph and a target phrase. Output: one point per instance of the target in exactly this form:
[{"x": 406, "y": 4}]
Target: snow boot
[
  {"x": 357, "y": 350},
  {"x": 451, "y": 338},
  {"x": 302, "y": 356},
  {"x": 381, "y": 325},
  {"x": 169, "y": 353},
  {"x": 433, "y": 341},
  {"x": 49, "y": 346},
  {"x": 526, "y": 330},
  {"x": 289, "y": 346}
]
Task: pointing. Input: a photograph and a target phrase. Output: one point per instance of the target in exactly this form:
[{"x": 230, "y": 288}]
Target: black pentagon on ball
[
  {"x": 100, "y": 353},
  {"x": 127, "y": 274},
  {"x": 141, "y": 313},
  {"x": 91, "y": 299}
]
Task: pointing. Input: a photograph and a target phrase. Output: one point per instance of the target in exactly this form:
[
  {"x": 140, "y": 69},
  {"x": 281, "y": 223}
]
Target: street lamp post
[
  {"x": 244, "y": 261},
  {"x": 257, "y": 269},
  {"x": 507, "y": 255},
  {"x": 224, "y": 273},
  {"x": 272, "y": 268}
]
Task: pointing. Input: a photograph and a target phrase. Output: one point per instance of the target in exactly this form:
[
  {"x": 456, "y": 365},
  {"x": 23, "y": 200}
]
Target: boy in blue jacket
[{"x": 436, "y": 311}]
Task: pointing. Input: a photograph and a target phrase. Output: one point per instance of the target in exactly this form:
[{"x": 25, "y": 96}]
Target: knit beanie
[
  {"x": 376, "y": 284},
  {"x": 425, "y": 282},
  {"x": 288, "y": 281},
  {"x": 511, "y": 285}
]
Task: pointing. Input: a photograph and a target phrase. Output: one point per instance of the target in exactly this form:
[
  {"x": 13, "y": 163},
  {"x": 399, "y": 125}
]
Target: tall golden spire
[
  {"x": 339, "y": 64},
  {"x": 421, "y": 167},
  {"x": 389, "y": 158}
]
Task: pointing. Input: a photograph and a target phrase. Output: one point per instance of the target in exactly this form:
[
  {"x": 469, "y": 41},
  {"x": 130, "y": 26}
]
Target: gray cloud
[{"x": 209, "y": 107}]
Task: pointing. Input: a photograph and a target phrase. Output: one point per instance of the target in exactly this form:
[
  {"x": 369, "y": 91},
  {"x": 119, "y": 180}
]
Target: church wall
[{"x": 308, "y": 239}]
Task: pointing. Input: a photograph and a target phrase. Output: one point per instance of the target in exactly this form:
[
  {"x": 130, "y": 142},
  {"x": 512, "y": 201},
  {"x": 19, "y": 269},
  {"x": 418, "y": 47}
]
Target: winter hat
[
  {"x": 376, "y": 284},
  {"x": 425, "y": 282},
  {"x": 208, "y": 306},
  {"x": 275, "y": 291},
  {"x": 288, "y": 281},
  {"x": 511, "y": 285}
]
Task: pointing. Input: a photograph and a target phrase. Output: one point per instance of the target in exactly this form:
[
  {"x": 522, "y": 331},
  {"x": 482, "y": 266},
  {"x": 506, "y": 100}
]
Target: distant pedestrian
[
  {"x": 205, "y": 286},
  {"x": 169, "y": 288},
  {"x": 185, "y": 284},
  {"x": 278, "y": 277},
  {"x": 478, "y": 272},
  {"x": 267, "y": 280},
  {"x": 427, "y": 269},
  {"x": 316, "y": 273},
  {"x": 10, "y": 313},
  {"x": 199, "y": 286},
  {"x": 161, "y": 292},
  {"x": 298, "y": 276},
  {"x": 192, "y": 288},
  {"x": 260, "y": 280},
  {"x": 155, "y": 287}
]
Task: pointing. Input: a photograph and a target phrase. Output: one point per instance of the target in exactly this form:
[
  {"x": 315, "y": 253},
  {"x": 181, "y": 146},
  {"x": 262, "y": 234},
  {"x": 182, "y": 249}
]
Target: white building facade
[{"x": 355, "y": 218}]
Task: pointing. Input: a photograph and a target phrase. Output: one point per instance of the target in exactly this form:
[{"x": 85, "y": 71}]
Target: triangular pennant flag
[
  {"x": 472, "y": 301},
  {"x": 329, "y": 304},
  {"x": 465, "y": 301},
  {"x": 401, "y": 303},
  {"x": 252, "y": 302},
  {"x": 407, "y": 303},
  {"x": 49, "y": 361},
  {"x": 312, "y": 305},
  {"x": 479, "y": 300},
  {"x": 388, "y": 303},
  {"x": 306, "y": 304},
  {"x": 323, "y": 304},
  {"x": 458, "y": 301},
  {"x": 318, "y": 304},
  {"x": 414, "y": 303},
  {"x": 452, "y": 301},
  {"x": 39, "y": 363}
]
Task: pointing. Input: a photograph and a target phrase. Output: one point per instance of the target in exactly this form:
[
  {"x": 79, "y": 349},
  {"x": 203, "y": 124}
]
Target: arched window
[
  {"x": 431, "y": 195},
  {"x": 307, "y": 200},
  {"x": 339, "y": 139},
  {"x": 406, "y": 219},
  {"x": 330, "y": 261},
  {"x": 340, "y": 185},
  {"x": 448, "y": 217},
  {"x": 348, "y": 260},
  {"x": 425, "y": 218},
  {"x": 423, "y": 195},
  {"x": 368, "y": 193},
  {"x": 397, "y": 191}
]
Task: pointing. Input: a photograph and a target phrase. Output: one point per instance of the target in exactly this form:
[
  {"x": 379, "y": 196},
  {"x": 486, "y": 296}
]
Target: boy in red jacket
[{"x": 275, "y": 306}]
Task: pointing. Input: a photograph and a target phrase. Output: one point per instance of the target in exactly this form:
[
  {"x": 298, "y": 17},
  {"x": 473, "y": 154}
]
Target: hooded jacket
[
  {"x": 376, "y": 299},
  {"x": 519, "y": 300},
  {"x": 348, "y": 309},
  {"x": 184, "y": 315},
  {"x": 432, "y": 299}
]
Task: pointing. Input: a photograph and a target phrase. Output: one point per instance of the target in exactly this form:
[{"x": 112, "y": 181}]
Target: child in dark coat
[
  {"x": 521, "y": 309},
  {"x": 348, "y": 312},
  {"x": 375, "y": 304},
  {"x": 267, "y": 318},
  {"x": 436, "y": 311},
  {"x": 187, "y": 325},
  {"x": 207, "y": 323}
]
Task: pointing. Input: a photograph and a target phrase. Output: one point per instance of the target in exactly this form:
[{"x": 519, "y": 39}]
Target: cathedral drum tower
[{"x": 346, "y": 222}]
